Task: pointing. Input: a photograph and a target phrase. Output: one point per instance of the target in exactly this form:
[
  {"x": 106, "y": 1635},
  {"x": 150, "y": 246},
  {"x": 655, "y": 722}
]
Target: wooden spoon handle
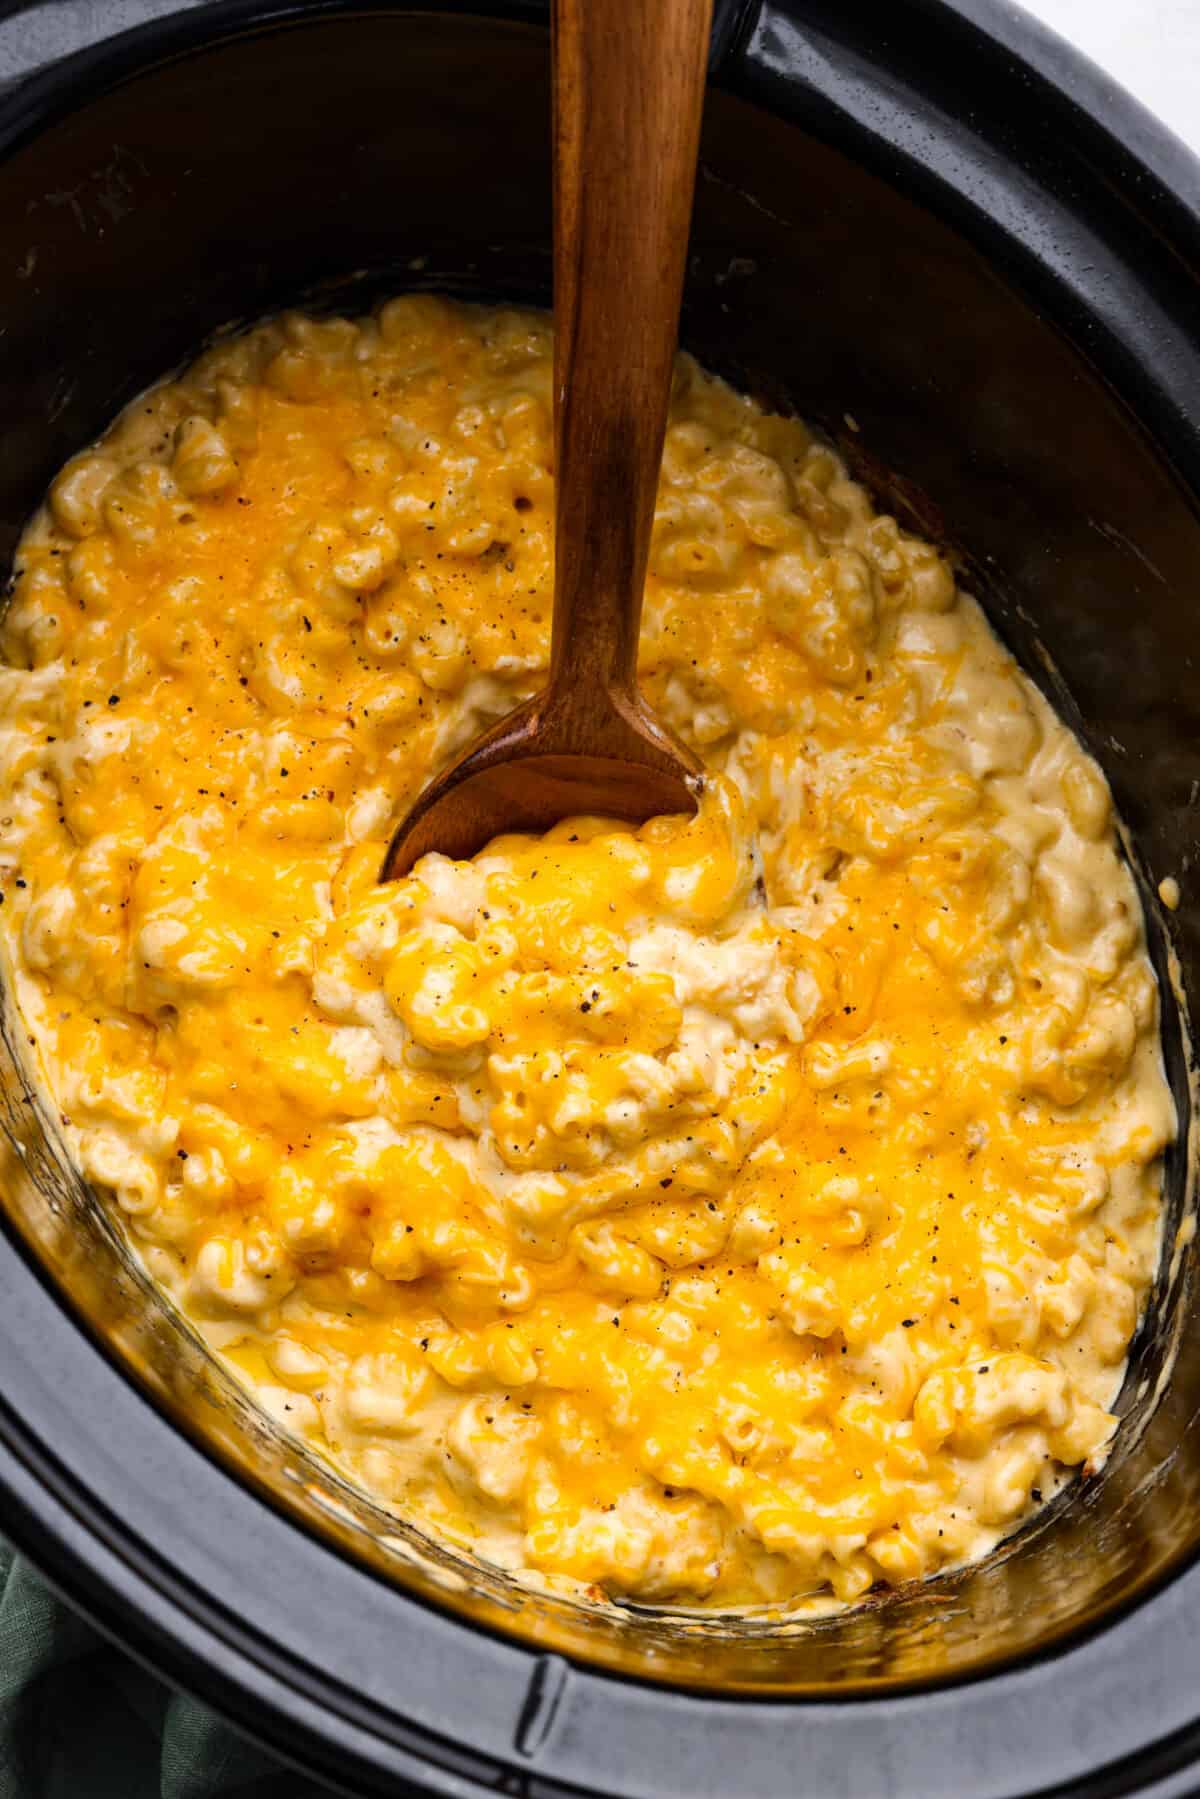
[{"x": 628, "y": 91}]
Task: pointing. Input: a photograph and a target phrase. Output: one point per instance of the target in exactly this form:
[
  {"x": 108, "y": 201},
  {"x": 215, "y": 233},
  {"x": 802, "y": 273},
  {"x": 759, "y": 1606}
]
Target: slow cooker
[{"x": 944, "y": 239}]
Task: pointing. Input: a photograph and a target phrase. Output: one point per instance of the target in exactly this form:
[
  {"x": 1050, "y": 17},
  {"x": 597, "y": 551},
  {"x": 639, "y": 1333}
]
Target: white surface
[{"x": 1152, "y": 47}]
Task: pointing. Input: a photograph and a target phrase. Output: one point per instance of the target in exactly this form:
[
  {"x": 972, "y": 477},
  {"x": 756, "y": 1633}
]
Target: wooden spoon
[{"x": 628, "y": 90}]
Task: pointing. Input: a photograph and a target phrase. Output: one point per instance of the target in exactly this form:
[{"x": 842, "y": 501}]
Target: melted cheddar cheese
[{"x": 745, "y": 1210}]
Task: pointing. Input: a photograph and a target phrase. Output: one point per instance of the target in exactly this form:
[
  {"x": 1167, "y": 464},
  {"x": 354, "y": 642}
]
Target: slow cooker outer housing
[{"x": 942, "y": 237}]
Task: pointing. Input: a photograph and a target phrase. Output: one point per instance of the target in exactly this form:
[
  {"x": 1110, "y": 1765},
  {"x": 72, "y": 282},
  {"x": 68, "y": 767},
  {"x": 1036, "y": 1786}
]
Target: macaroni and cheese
[{"x": 745, "y": 1210}]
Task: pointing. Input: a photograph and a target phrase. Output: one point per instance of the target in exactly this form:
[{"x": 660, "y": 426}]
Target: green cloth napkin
[{"x": 79, "y": 1720}]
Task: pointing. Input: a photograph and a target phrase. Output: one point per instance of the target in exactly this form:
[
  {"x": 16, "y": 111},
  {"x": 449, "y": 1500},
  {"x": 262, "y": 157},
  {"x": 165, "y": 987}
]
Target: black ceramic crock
[{"x": 943, "y": 238}]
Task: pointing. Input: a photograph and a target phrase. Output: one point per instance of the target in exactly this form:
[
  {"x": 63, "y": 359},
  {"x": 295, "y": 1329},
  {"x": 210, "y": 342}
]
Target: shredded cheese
[{"x": 744, "y": 1210}]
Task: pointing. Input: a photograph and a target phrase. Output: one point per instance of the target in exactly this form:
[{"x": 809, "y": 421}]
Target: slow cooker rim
[
  {"x": 1128, "y": 130},
  {"x": 36, "y": 103}
]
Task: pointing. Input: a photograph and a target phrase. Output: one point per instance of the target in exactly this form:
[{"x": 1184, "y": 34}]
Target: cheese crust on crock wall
[{"x": 743, "y": 1211}]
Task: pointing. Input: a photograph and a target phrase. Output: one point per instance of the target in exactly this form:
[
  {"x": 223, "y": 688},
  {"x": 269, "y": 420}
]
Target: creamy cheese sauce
[{"x": 746, "y": 1210}]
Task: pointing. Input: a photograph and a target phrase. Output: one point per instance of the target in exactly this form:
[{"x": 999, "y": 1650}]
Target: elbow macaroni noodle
[{"x": 745, "y": 1210}]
